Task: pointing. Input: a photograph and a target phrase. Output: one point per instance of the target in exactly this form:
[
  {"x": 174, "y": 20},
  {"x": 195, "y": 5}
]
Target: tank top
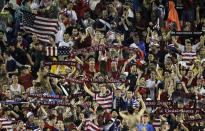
[{"x": 18, "y": 89}]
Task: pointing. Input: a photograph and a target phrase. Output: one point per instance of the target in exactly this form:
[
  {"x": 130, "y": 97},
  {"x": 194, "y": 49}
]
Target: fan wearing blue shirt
[{"x": 145, "y": 120}]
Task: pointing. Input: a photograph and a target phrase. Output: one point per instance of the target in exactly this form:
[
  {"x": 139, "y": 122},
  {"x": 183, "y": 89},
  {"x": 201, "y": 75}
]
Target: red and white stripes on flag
[
  {"x": 6, "y": 123},
  {"x": 51, "y": 51},
  {"x": 41, "y": 26},
  {"x": 90, "y": 126}
]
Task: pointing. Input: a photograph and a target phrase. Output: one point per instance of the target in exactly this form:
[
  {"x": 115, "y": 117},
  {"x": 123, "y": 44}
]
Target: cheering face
[
  {"x": 114, "y": 114},
  {"x": 1, "y": 35},
  {"x": 5, "y": 87},
  {"x": 34, "y": 38},
  {"x": 21, "y": 125},
  {"x": 66, "y": 37},
  {"x": 190, "y": 73},
  {"x": 118, "y": 93},
  {"x": 138, "y": 16},
  {"x": 51, "y": 39},
  {"x": 97, "y": 34},
  {"x": 19, "y": 38},
  {"x": 150, "y": 57},
  {"x": 129, "y": 94},
  {"x": 70, "y": 6},
  {"x": 188, "y": 45},
  {"x": 114, "y": 65},
  {"x": 133, "y": 69},
  {"x": 104, "y": 14},
  {"x": 75, "y": 32},
  {"x": 153, "y": 75},
  {"x": 145, "y": 119},
  {"x": 202, "y": 51},
  {"x": 14, "y": 79},
  {"x": 142, "y": 81},
  {"x": 92, "y": 63},
  {"x": 81, "y": 116},
  {"x": 179, "y": 86},
  {"x": 8, "y": 93}
]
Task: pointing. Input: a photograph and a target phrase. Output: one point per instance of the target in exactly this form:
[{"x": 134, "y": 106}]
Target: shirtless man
[{"x": 133, "y": 119}]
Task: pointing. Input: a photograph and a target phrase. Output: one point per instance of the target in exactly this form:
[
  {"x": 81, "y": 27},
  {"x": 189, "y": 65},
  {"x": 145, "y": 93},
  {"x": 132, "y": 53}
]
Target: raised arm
[
  {"x": 184, "y": 87},
  {"x": 123, "y": 114},
  {"x": 141, "y": 112},
  {"x": 88, "y": 91},
  {"x": 175, "y": 42},
  {"x": 126, "y": 62},
  {"x": 178, "y": 73},
  {"x": 79, "y": 60},
  {"x": 70, "y": 74},
  {"x": 197, "y": 15},
  {"x": 148, "y": 33}
]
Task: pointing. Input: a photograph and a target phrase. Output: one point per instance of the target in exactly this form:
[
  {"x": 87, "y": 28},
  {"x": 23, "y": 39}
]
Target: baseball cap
[{"x": 29, "y": 114}]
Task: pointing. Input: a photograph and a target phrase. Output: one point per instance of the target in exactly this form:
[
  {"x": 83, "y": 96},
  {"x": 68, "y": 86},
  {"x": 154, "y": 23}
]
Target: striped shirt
[
  {"x": 90, "y": 126},
  {"x": 157, "y": 123},
  {"x": 104, "y": 101},
  {"x": 187, "y": 57},
  {"x": 7, "y": 123}
]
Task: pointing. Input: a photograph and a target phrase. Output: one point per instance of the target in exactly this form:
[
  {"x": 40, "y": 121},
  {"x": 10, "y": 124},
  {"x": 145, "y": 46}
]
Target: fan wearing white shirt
[
  {"x": 71, "y": 13},
  {"x": 67, "y": 41},
  {"x": 151, "y": 83}
]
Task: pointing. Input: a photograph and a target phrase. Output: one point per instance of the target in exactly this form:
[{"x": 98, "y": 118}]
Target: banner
[
  {"x": 47, "y": 96},
  {"x": 186, "y": 33},
  {"x": 178, "y": 110},
  {"x": 86, "y": 50},
  {"x": 54, "y": 103},
  {"x": 55, "y": 96},
  {"x": 158, "y": 103},
  {"x": 100, "y": 48},
  {"x": 68, "y": 63},
  {"x": 79, "y": 81}
]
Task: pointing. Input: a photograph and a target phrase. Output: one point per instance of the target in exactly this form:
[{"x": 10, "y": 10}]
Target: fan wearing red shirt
[
  {"x": 80, "y": 8},
  {"x": 90, "y": 68},
  {"x": 190, "y": 78},
  {"x": 26, "y": 78}
]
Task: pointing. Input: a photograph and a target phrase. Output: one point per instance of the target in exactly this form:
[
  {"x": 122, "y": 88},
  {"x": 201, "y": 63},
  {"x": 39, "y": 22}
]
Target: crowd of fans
[{"x": 154, "y": 49}]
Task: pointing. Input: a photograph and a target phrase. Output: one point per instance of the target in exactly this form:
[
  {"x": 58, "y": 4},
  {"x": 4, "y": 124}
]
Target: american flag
[
  {"x": 41, "y": 26},
  {"x": 86, "y": 1},
  {"x": 65, "y": 11},
  {"x": 90, "y": 126},
  {"x": 57, "y": 51}
]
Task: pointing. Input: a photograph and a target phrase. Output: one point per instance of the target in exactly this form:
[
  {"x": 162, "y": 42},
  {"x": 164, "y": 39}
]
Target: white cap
[
  {"x": 34, "y": 6},
  {"x": 29, "y": 114},
  {"x": 133, "y": 45}
]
